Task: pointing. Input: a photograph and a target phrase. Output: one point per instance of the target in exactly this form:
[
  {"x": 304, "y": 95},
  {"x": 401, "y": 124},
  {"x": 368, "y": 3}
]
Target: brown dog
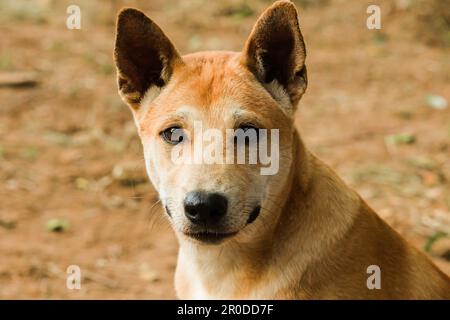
[{"x": 299, "y": 233}]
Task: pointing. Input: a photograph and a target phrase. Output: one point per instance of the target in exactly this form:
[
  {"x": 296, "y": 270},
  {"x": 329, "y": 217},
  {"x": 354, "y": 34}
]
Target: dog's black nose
[{"x": 205, "y": 208}]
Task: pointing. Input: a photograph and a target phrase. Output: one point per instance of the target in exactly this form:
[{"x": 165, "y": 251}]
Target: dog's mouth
[
  {"x": 216, "y": 237},
  {"x": 254, "y": 214},
  {"x": 210, "y": 237}
]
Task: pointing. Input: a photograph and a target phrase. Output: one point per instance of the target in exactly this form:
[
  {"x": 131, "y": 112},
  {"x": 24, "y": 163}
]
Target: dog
[{"x": 301, "y": 233}]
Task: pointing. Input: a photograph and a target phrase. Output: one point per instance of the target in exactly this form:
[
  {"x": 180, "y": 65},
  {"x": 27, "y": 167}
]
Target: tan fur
[{"x": 315, "y": 237}]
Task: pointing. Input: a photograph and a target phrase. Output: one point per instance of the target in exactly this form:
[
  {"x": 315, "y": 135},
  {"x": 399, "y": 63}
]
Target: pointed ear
[
  {"x": 275, "y": 52},
  {"x": 144, "y": 56}
]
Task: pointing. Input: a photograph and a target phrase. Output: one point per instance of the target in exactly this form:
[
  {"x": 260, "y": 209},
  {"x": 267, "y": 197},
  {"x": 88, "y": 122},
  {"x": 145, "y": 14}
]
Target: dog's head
[{"x": 192, "y": 111}]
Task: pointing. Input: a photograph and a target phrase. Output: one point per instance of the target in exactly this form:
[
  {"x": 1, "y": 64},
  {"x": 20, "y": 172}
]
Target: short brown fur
[{"x": 315, "y": 237}]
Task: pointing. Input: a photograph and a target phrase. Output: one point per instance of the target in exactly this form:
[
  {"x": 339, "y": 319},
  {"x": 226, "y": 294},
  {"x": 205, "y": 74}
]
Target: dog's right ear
[
  {"x": 144, "y": 56},
  {"x": 275, "y": 52}
]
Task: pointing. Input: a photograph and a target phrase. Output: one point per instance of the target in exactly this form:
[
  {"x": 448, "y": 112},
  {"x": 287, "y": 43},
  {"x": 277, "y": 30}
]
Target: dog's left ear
[
  {"x": 144, "y": 56},
  {"x": 275, "y": 52}
]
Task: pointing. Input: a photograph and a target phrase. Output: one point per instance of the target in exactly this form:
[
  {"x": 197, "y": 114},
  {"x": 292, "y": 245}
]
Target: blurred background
[{"x": 73, "y": 189}]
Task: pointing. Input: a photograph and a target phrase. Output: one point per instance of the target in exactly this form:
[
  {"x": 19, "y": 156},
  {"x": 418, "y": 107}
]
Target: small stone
[
  {"x": 57, "y": 225},
  {"x": 436, "y": 102}
]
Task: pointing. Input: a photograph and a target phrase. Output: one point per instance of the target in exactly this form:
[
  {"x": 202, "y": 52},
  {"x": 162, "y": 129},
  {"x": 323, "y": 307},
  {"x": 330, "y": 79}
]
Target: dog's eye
[
  {"x": 173, "y": 135},
  {"x": 247, "y": 127},
  {"x": 247, "y": 133}
]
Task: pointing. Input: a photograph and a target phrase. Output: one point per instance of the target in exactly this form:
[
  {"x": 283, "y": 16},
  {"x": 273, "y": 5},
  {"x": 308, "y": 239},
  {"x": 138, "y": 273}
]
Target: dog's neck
[{"x": 233, "y": 269}]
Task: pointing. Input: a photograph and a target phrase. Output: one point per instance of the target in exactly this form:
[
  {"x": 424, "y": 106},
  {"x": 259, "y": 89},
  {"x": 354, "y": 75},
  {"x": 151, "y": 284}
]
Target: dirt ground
[{"x": 69, "y": 150}]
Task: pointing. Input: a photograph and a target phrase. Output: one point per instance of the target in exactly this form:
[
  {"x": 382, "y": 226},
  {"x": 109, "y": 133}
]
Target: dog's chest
[
  {"x": 206, "y": 280},
  {"x": 193, "y": 285},
  {"x": 213, "y": 281}
]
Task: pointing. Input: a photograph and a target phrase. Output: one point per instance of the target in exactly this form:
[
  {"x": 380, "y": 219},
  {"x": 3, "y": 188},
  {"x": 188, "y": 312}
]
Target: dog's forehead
[
  {"x": 207, "y": 81},
  {"x": 232, "y": 112},
  {"x": 211, "y": 61},
  {"x": 211, "y": 76},
  {"x": 216, "y": 88}
]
